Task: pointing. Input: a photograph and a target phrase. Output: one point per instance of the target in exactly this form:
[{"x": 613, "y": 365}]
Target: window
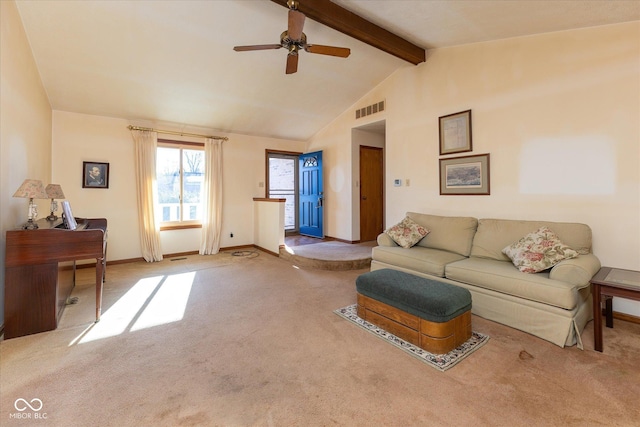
[{"x": 180, "y": 176}]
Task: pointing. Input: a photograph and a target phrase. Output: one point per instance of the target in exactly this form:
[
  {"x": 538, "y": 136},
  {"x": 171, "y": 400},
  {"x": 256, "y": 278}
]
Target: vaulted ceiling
[{"x": 173, "y": 62}]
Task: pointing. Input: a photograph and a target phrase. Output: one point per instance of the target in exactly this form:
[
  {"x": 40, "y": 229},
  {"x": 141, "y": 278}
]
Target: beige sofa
[{"x": 554, "y": 304}]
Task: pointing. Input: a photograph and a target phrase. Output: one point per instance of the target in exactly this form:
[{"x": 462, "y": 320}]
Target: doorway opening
[
  {"x": 368, "y": 143},
  {"x": 311, "y": 191},
  {"x": 282, "y": 183}
]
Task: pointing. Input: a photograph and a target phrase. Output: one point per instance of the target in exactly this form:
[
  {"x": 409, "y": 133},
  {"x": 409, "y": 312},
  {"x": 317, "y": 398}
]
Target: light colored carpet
[{"x": 253, "y": 341}]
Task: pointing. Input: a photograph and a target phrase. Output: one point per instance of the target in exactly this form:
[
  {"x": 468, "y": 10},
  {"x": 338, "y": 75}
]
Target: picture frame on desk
[{"x": 95, "y": 175}]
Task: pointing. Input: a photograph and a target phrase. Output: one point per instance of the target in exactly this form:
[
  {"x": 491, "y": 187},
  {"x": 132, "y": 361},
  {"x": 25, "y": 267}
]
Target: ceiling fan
[{"x": 294, "y": 40}]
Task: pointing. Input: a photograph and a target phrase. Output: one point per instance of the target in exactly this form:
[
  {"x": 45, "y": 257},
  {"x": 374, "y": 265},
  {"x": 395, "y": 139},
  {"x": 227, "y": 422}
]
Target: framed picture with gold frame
[
  {"x": 465, "y": 175},
  {"x": 455, "y": 133}
]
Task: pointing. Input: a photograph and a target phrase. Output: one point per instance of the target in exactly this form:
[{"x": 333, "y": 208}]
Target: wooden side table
[{"x": 611, "y": 282}]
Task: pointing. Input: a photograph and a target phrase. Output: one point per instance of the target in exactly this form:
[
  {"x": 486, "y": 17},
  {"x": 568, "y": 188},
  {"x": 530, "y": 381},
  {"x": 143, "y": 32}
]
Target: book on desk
[{"x": 34, "y": 297}]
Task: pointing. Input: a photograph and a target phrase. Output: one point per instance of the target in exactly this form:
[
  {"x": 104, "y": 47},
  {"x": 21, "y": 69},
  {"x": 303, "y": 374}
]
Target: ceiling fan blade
[
  {"x": 257, "y": 47},
  {"x": 296, "y": 22},
  {"x": 292, "y": 63},
  {"x": 342, "y": 52}
]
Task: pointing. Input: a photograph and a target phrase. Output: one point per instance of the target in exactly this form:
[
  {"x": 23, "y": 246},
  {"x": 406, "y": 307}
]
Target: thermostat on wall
[{"x": 397, "y": 182}]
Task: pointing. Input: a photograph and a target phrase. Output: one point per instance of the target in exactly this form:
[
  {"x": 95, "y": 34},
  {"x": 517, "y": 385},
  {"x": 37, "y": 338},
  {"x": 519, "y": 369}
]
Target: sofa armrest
[
  {"x": 385, "y": 240},
  {"x": 577, "y": 271}
]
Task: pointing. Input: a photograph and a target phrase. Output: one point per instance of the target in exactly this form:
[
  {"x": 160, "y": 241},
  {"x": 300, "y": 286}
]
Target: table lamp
[
  {"x": 54, "y": 191},
  {"x": 31, "y": 189}
]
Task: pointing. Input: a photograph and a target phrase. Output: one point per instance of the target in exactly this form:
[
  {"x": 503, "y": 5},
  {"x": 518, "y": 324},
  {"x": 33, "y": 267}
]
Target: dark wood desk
[
  {"x": 611, "y": 282},
  {"x": 34, "y": 299}
]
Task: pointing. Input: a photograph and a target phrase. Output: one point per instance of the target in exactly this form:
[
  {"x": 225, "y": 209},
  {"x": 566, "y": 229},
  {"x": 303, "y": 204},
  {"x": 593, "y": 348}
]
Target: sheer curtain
[
  {"x": 212, "y": 213},
  {"x": 145, "y": 143}
]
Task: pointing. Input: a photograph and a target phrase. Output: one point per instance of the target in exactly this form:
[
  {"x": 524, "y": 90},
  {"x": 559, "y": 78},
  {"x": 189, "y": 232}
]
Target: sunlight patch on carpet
[
  {"x": 441, "y": 362},
  {"x": 169, "y": 302},
  {"x": 152, "y": 301}
]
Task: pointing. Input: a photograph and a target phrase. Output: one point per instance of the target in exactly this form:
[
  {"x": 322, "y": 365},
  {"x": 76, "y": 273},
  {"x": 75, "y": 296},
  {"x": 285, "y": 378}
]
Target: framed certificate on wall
[{"x": 455, "y": 133}]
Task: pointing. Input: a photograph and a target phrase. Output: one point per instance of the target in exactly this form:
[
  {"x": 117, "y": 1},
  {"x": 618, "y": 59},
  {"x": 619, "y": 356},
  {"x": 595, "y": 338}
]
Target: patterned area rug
[{"x": 438, "y": 361}]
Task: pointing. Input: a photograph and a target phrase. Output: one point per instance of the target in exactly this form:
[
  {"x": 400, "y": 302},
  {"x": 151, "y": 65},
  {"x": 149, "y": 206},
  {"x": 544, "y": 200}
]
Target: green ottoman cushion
[{"x": 426, "y": 298}]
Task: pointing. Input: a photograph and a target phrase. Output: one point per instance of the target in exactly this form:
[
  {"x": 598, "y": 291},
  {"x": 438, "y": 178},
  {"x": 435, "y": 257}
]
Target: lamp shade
[
  {"x": 54, "y": 191},
  {"x": 31, "y": 189}
]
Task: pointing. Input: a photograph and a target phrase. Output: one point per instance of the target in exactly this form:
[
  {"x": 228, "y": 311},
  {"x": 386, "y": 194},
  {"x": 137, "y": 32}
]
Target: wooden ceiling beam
[{"x": 347, "y": 22}]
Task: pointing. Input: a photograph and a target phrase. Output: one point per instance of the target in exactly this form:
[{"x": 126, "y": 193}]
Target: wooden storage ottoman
[{"x": 432, "y": 315}]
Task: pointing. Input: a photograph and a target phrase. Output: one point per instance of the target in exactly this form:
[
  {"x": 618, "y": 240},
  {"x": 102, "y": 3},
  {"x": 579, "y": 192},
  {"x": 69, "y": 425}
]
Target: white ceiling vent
[{"x": 370, "y": 109}]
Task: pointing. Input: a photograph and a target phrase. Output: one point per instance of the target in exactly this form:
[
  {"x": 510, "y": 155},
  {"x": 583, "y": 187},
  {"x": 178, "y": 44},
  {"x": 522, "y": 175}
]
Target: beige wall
[
  {"x": 25, "y": 127},
  {"x": 559, "y": 114},
  {"x": 81, "y": 137},
  {"x": 268, "y": 227}
]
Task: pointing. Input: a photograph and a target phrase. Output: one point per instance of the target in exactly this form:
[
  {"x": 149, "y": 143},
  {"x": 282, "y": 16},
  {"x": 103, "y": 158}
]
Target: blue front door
[{"x": 311, "y": 194}]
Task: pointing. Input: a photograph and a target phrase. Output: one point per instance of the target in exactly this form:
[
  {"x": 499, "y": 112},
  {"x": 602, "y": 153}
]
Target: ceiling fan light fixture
[{"x": 294, "y": 40}]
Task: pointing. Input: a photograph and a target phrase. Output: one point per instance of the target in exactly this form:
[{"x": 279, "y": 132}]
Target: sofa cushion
[
  {"x": 493, "y": 235},
  {"x": 448, "y": 233},
  {"x": 407, "y": 232},
  {"x": 501, "y": 276},
  {"x": 423, "y": 260},
  {"x": 538, "y": 251}
]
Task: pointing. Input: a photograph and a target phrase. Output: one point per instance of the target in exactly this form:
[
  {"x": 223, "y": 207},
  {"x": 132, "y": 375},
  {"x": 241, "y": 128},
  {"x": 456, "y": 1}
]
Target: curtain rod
[{"x": 223, "y": 138}]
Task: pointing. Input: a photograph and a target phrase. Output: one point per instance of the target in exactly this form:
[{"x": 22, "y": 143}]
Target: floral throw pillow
[
  {"x": 538, "y": 251},
  {"x": 407, "y": 232}
]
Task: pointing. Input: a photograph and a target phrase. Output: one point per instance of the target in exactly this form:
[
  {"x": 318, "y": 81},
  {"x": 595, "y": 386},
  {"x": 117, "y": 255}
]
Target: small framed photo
[
  {"x": 466, "y": 175},
  {"x": 95, "y": 175},
  {"x": 455, "y": 133}
]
